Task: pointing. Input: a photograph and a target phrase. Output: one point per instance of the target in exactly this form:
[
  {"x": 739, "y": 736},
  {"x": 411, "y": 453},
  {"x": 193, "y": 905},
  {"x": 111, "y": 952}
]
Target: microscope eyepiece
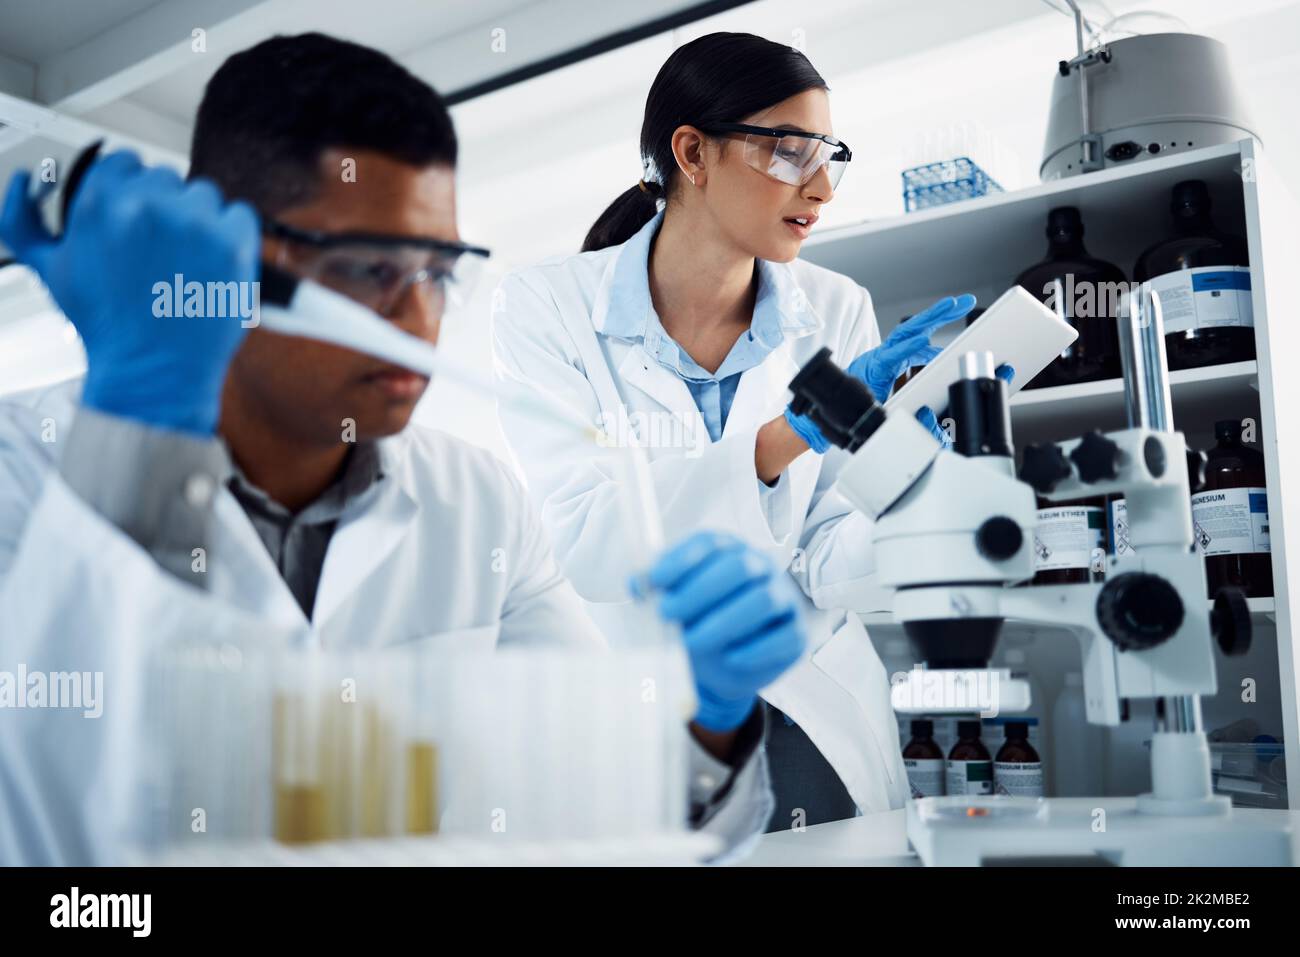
[{"x": 840, "y": 404}]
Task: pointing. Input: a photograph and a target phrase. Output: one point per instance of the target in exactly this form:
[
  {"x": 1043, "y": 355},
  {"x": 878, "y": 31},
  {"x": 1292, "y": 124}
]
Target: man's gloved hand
[
  {"x": 925, "y": 415},
  {"x": 908, "y": 345},
  {"x": 740, "y": 619},
  {"x": 131, "y": 227}
]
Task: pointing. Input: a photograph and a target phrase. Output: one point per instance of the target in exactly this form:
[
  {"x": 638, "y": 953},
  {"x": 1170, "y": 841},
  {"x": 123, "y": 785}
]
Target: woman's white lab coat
[{"x": 550, "y": 336}]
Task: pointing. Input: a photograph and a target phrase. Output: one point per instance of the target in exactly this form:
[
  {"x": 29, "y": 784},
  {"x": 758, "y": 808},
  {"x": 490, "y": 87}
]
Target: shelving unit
[{"x": 980, "y": 245}]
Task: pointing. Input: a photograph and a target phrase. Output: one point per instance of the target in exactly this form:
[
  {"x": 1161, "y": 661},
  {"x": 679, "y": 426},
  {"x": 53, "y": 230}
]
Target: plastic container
[
  {"x": 1252, "y": 773},
  {"x": 1078, "y": 748},
  {"x": 947, "y": 181}
]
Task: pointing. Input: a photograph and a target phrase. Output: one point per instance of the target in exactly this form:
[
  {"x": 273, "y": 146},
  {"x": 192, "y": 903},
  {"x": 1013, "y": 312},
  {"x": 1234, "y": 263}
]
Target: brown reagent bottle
[
  {"x": 1230, "y": 516},
  {"x": 970, "y": 767},
  {"x": 1018, "y": 770},
  {"x": 923, "y": 759}
]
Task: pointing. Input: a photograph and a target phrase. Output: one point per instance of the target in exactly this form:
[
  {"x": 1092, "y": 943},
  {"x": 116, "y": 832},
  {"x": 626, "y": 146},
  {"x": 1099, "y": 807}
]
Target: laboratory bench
[{"x": 880, "y": 840}]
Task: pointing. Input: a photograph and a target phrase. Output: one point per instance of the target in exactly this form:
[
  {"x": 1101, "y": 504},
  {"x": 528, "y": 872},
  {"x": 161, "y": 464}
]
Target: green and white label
[{"x": 970, "y": 777}]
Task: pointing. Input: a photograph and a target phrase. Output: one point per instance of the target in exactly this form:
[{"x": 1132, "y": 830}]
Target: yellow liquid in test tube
[
  {"x": 421, "y": 788},
  {"x": 300, "y": 813}
]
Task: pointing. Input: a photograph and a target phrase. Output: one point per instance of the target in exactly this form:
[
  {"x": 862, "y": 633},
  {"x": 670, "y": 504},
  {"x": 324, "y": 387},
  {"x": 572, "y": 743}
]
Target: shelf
[
  {"x": 1200, "y": 396},
  {"x": 1262, "y": 610},
  {"x": 980, "y": 245}
]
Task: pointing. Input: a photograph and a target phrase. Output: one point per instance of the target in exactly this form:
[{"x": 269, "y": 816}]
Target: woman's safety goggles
[
  {"x": 790, "y": 156},
  {"x": 377, "y": 270}
]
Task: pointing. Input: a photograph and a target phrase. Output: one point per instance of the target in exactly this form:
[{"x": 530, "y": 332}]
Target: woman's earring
[{"x": 692, "y": 179}]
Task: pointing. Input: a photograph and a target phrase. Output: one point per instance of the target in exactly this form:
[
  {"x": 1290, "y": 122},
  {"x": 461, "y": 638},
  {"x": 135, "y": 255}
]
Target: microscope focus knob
[
  {"x": 1044, "y": 467},
  {"x": 1138, "y": 610},
  {"x": 999, "y": 538},
  {"x": 1196, "y": 461},
  {"x": 1230, "y": 620},
  {"x": 1096, "y": 457}
]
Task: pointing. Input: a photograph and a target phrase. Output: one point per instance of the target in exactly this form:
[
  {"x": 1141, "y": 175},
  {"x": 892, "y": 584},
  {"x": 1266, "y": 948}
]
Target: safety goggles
[
  {"x": 790, "y": 156},
  {"x": 377, "y": 270}
]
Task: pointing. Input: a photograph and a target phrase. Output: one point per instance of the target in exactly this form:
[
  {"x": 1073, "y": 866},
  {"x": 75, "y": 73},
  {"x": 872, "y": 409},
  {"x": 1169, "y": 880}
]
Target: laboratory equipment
[
  {"x": 1138, "y": 97},
  {"x": 1084, "y": 291},
  {"x": 1202, "y": 277},
  {"x": 362, "y": 755},
  {"x": 953, "y": 530},
  {"x": 947, "y": 181}
]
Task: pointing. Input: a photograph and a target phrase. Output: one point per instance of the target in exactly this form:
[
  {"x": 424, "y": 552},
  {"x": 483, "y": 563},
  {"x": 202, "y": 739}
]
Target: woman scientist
[{"x": 678, "y": 329}]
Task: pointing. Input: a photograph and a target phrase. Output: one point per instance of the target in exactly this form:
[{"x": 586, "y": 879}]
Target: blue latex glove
[
  {"x": 907, "y": 346},
  {"x": 925, "y": 415},
  {"x": 129, "y": 228},
  {"x": 740, "y": 620}
]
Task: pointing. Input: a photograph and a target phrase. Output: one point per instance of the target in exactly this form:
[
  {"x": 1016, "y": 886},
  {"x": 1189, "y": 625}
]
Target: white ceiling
[
  {"x": 130, "y": 66},
  {"x": 35, "y": 30}
]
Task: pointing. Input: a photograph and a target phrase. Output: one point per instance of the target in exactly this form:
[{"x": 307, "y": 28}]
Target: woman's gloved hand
[
  {"x": 907, "y": 346},
  {"x": 131, "y": 228},
  {"x": 925, "y": 415},
  {"x": 740, "y": 620}
]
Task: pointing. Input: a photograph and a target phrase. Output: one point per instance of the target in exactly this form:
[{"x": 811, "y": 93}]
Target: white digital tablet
[{"x": 1018, "y": 329}]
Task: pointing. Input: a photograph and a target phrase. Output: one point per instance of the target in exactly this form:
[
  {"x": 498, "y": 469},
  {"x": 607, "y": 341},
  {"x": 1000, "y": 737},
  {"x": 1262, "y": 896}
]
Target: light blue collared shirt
[{"x": 632, "y": 316}]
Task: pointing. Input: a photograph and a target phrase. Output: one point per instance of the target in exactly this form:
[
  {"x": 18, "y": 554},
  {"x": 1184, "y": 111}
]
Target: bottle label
[
  {"x": 1231, "y": 521},
  {"x": 1119, "y": 530},
  {"x": 970, "y": 777},
  {"x": 1204, "y": 298},
  {"x": 1067, "y": 537},
  {"x": 925, "y": 775},
  {"x": 1018, "y": 779}
]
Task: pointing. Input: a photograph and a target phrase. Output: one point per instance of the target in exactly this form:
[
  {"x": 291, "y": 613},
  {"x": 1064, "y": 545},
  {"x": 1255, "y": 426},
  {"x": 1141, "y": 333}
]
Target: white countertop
[{"x": 878, "y": 840}]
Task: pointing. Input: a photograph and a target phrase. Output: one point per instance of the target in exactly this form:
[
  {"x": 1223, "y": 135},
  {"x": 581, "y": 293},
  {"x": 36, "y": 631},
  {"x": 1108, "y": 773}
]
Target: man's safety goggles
[
  {"x": 377, "y": 270},
  {"x": 790, "y": 156}
]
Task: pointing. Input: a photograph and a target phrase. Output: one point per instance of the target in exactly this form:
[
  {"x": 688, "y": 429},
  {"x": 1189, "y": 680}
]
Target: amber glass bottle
[
  {"x": 970, "y": 768},
  {"x": 1230, "y": 516},
  {"x": 1018, "y": 770},
  {"x": 1069, "y": 541},
  {"x": 1086, "y": 293},
  {"x": 923, "y": 759},
  {"x": 1202, "y": 276}
]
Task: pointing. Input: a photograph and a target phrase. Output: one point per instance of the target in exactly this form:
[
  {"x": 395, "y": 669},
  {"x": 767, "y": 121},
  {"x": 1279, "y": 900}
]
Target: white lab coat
[
  {"x": 548, "y": 336},
  {"x": 447, "y": 549}
]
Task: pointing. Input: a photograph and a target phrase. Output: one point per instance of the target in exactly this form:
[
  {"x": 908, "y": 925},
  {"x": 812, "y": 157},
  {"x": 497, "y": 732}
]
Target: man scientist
[{"x": 205, "y": 476}]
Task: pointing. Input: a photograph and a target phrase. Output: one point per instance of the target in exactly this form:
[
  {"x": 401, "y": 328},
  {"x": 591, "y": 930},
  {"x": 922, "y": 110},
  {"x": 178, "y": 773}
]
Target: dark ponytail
[{"x": 718, "y": 78}]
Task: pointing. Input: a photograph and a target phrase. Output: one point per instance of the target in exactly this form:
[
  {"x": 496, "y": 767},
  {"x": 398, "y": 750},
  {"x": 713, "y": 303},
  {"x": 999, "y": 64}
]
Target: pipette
[{"x": 291, "y": 306}]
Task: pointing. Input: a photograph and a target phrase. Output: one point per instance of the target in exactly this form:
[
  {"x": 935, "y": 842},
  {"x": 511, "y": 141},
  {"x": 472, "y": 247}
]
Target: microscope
[{"x": 954, "y": 532}]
